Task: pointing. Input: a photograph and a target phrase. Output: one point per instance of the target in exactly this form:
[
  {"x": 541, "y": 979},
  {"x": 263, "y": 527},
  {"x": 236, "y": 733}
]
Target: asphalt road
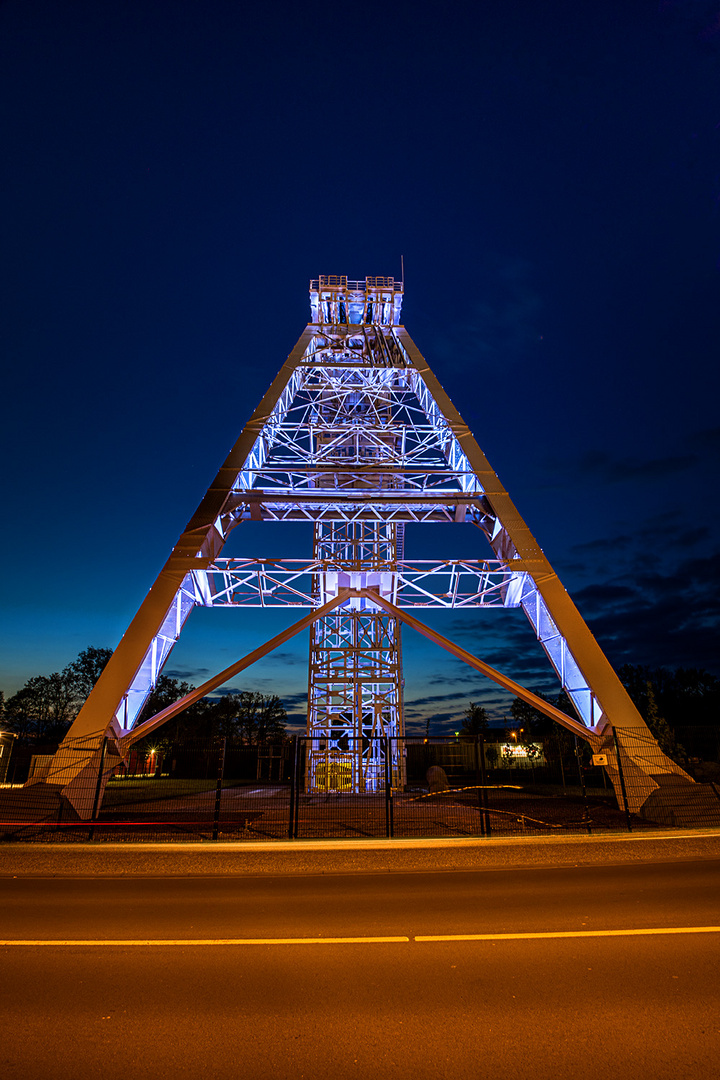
[{"x": 177, "y": 1003}]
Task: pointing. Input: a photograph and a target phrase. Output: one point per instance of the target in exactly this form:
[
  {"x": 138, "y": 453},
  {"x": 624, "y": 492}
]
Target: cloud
[
  {"x": 187, "y": 673},
  {"x": 599, "y": 596},
  {"x": 291, "y": 700},
  {"x": 435, "y": 699},
  {"x": 653, "y": 545},
  {"x": 689, "y": 539},
  {"x": 296, "y": 723},
  {"x": 671, "y": 526},
  {"x": 458, "y": 673},
  {"x": 507, "y": 644},
  {"x": 600, "y": 466},
  {"x": 604, "y": 544},
  {"x": 655, "y": 611},
  {"x": 440, "y": 724},
  {"x": 662, "y": 619}
]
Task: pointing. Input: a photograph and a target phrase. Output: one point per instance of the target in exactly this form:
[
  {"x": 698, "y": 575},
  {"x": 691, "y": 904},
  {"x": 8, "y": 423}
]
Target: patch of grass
[{"x": 122, "y": 791}]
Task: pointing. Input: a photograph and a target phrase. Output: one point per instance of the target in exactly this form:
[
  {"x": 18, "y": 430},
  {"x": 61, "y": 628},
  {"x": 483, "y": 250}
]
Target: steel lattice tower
[
  {"x": 355, "y": 676},
  {"x": 357, "y": 437}
]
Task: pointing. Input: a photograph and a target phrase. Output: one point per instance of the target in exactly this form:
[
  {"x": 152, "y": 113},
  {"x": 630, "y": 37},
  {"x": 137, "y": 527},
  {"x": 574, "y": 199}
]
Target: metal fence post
[
  {"x": 293, "y": 793},
  {"x": 486, "y": 798},
  {"x": 387, "y": 787},
  {"x": 389, "y": 822},
  {"x": 622, "y": 780},
  {"x": 297, "y": 787},
  {"x": 98, "y": 786},
  {"x": 582, "y": 785},
  {"x": 218, "y": 789},
  {"x": 480, "y": 785}
]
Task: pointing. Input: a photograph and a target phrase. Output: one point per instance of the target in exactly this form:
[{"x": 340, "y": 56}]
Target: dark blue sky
[{"x": 174, "y": 173}]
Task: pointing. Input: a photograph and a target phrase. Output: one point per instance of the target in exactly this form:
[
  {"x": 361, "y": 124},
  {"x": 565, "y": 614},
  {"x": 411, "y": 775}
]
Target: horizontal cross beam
[
  {"x": 345, "y": 595},
  {"x": 264, "y": 583}
]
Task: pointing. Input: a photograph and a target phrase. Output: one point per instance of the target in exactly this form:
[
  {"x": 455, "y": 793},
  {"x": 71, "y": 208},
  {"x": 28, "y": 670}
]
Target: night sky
[{"x": 173, "y": 173}]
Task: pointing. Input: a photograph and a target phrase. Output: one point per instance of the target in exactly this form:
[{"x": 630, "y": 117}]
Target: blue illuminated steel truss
[{"x": 357, "y": 436}]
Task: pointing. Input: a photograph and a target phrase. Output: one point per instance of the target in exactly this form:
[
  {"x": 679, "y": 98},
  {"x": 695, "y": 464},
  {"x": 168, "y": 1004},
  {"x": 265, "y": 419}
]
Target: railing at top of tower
[
  {"x": 375, "y": 300},
  {"x": 340, "y": 281}
]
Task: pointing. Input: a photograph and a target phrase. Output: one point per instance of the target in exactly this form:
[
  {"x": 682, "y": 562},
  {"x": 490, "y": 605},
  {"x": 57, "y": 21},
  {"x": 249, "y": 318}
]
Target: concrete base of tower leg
[
  {"x": 682, "y": 804},
  {"x": 656, "y": 788},
  {"x": 37, "y": 804},
  {"x": 75, "y": 771}
]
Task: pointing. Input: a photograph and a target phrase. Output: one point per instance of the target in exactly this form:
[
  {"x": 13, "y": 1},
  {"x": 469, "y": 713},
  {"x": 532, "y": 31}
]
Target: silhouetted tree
[
  {"x": 191, "y": 723},
  {"x": 529, "y": 725},
  {"x": 87, "y": 669},
  {"x": 527, "y": 719},
  {"x": 43, "y": 709},
  {"x": 685, "y": 697},
  {"x": 260, "y": 716},
  {"x": 476, "y": 721},
  {"x": 660, "y": 729}
]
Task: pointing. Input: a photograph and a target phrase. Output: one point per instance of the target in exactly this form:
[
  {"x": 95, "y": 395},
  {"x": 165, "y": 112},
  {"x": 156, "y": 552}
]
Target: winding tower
[{"x": 357, "y": 437}]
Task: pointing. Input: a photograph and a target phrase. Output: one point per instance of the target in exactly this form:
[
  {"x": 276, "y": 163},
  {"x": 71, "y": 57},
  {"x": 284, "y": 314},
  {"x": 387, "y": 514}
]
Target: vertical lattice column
[{"x": 355, "y": 679}]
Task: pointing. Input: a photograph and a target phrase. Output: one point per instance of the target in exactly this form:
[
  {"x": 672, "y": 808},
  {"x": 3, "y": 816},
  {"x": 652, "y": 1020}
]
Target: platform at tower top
[{"x": 335, "y": 299}]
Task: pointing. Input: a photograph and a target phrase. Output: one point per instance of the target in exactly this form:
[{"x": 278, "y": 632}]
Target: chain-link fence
[{"x": 299, "y": 787}]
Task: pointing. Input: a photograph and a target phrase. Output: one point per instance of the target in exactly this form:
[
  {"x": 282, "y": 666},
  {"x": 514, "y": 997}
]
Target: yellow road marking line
[
  {"x": 572, "y": 934},
  {"x": 389, "y": 940},
  {"x": 215, "y": 941}
]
